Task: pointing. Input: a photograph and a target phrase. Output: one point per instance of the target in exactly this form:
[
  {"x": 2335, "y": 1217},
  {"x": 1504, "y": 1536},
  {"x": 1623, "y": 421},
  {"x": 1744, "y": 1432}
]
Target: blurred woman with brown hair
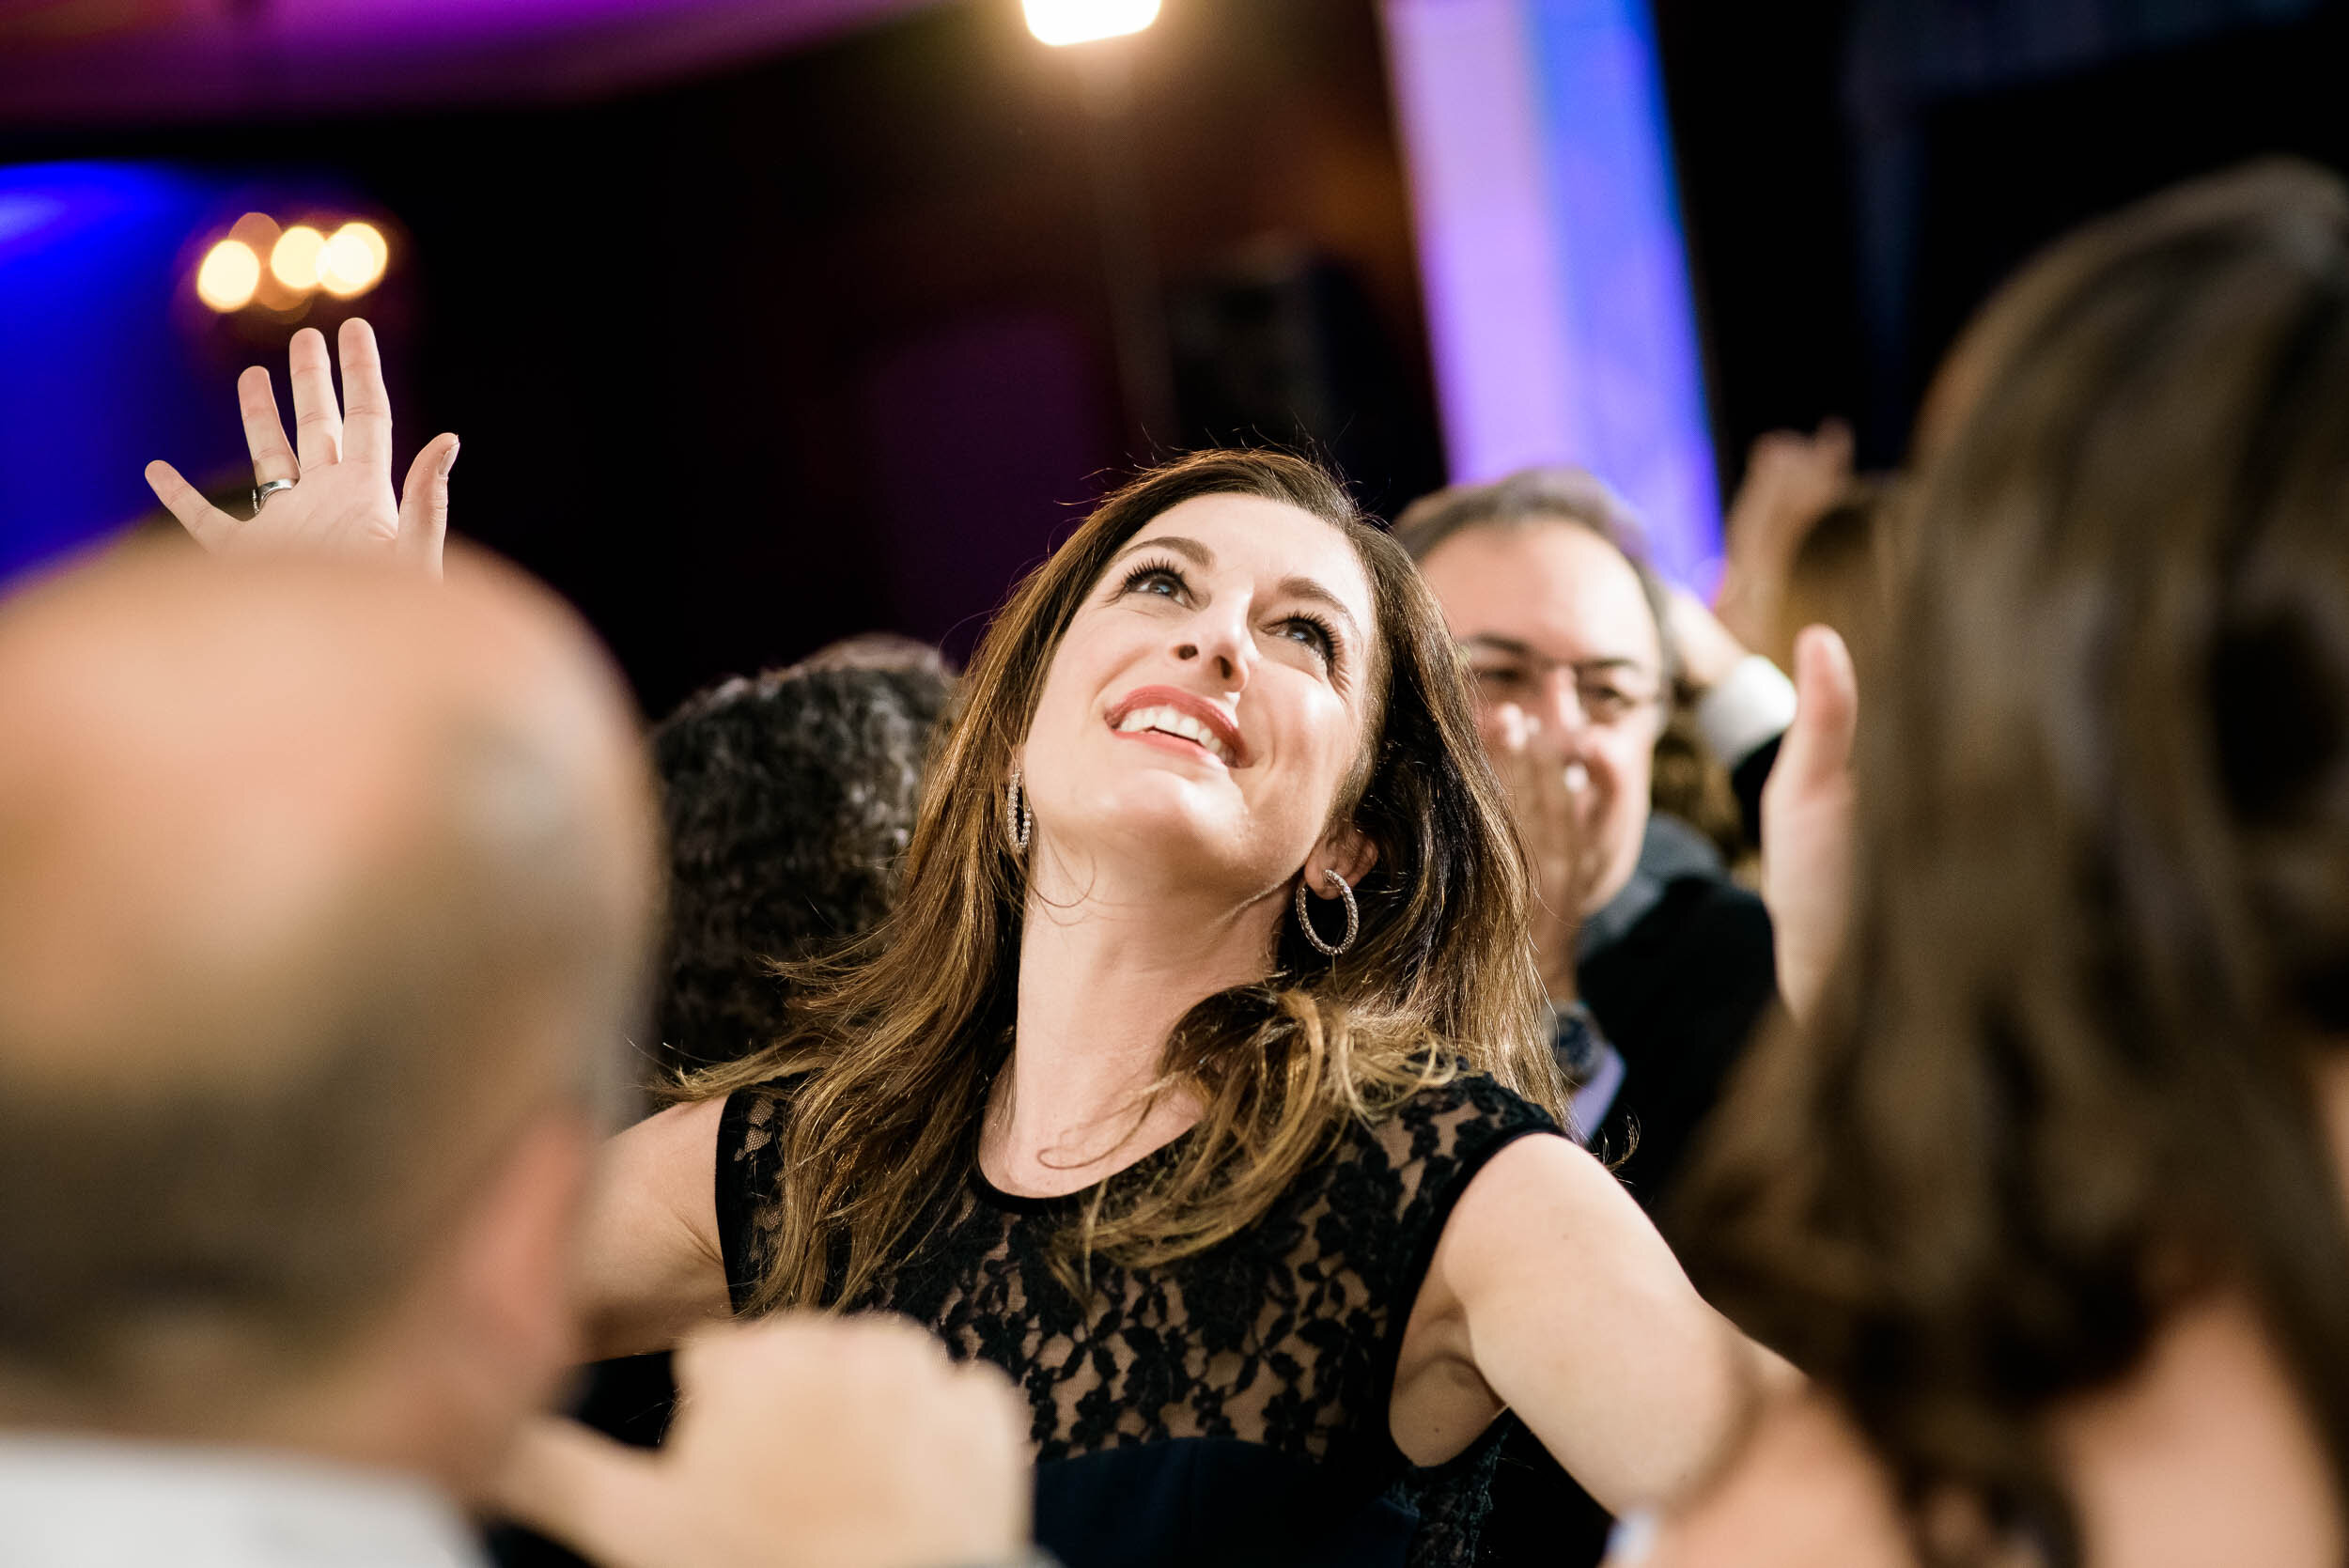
[{"x": 2049, "y": 1193}]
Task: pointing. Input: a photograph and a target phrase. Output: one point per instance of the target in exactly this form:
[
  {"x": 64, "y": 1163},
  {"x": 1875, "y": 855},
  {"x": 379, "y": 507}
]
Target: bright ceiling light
[
  {"x": 1058, "y": 22},
  {"x": 230, "y": 273},
  {"x": 353, "y": 260},
  {"x": 298, "y": 257}
]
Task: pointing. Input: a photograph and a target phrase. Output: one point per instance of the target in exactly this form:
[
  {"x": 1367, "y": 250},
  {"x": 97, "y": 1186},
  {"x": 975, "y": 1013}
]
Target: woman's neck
[{"x": 1104, "y": 977}]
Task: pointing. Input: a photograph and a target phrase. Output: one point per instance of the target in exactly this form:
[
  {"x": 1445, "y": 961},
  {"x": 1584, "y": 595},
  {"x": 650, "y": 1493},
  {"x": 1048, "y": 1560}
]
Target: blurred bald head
[{"x": 322, "y": 885}]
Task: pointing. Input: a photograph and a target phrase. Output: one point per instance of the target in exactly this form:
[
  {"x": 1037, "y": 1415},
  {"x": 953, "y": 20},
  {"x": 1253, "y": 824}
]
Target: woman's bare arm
[
  {"x": 1551, "y": 1294},
  {"x": 651, "y": 1269}
]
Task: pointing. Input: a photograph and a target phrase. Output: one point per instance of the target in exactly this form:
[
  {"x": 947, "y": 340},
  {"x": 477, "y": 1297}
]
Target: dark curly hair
[{"x": 790, "y": 799}]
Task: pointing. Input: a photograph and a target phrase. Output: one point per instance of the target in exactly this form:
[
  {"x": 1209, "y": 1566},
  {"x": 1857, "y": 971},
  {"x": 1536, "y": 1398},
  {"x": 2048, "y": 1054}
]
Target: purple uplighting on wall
[
  {"x": 1550, "y": 249},
  {"x": 1487, "y": 257}
]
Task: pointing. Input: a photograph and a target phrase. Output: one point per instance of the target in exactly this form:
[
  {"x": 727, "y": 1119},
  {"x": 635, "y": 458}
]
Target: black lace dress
[{"x": 1228, "y": 1409}]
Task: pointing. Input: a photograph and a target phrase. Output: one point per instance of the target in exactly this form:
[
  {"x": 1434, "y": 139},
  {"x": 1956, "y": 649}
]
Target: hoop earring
[
  {"x": 1022, "y": 824},
  {"x": 1353, "y": 917}
]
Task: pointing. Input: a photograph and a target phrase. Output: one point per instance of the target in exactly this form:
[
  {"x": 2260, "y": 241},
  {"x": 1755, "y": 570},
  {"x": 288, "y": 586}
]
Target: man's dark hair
[{"x": 788, "y": 797}]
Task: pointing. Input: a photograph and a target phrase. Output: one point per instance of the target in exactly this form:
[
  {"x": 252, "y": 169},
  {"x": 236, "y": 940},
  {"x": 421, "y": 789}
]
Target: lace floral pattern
[{"x": 1285, "y": 1335}]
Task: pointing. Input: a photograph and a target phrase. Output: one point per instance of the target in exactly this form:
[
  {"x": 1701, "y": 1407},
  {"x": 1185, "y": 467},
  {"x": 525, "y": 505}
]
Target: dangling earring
[
  {"x": 1353, "y": 917},
  {"x": 1022, "y": 824}
]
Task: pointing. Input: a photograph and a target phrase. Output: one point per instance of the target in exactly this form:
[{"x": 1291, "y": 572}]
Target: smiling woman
[
  {"x": 1243, "y": 1208},
  {"x": 1029, "y": 987},
  {"x": 1263, "y": 1224}
]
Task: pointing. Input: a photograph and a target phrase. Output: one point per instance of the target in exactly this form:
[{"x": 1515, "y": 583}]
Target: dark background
[{"x": 822, "y": 344}]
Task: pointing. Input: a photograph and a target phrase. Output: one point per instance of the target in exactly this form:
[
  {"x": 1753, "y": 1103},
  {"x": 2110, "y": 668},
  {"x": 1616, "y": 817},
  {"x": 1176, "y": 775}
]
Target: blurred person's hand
[
  {"x": 1807, "y": 820},
  {"x": 800, "y": 1442},
  {"x": 341, "y": 500},
  {"x": 1708, "y": 649},
  {"x": 1791, "y": 481},
  {"x": 1548, "y": 788}
]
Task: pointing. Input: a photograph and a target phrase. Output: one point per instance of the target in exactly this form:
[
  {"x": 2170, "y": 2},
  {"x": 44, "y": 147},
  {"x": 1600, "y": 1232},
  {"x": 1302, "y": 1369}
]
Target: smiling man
[{"x": 1571, "y": 638}]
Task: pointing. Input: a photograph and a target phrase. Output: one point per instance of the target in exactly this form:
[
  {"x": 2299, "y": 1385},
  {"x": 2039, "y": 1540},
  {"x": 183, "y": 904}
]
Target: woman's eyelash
[
  {"x": 1144, "y": 570},
  {"x": 1323, "y": 631}
]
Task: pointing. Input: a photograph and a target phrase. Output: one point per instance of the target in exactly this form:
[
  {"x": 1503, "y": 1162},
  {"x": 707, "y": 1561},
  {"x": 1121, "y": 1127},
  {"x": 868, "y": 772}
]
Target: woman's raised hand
[{"x": 341, "y": 500}]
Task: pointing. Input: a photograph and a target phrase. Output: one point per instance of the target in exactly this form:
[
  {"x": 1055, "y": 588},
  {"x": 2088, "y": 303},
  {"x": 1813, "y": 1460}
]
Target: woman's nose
[
  {"x": 1223, "y": 647},
  {"x": 1224, "y": 663}
]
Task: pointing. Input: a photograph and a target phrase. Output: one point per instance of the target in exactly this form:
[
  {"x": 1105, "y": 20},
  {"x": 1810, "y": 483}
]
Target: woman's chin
[{"x": 1159, "y": 814}]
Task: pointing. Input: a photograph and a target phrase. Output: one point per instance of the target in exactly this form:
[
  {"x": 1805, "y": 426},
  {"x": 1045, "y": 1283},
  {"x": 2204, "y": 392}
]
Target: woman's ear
[{"x": 1345, "y": 850}]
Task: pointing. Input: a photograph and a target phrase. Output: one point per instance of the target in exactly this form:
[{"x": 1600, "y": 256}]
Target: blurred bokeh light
[
  {"x": 259, "y": 266},
  {"x": 298, "y": 257},
  {"x": 354, "y": 260},
  {"x": 230, "y": 273}
]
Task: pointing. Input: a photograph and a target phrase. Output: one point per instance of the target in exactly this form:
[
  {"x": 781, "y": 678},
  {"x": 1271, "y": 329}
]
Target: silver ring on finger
[{"x": 267, "y": 487}]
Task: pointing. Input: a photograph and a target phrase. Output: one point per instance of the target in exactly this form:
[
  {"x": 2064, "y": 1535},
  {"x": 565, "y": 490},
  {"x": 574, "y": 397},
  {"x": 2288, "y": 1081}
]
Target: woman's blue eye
[
  {"x": 1311, "y": 633},
  {"x": 1166, "y": 581}
]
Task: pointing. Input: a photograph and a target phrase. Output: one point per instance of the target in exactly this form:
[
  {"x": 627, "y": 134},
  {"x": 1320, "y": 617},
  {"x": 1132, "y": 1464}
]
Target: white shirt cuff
[{"x": 1753, "y": 704}]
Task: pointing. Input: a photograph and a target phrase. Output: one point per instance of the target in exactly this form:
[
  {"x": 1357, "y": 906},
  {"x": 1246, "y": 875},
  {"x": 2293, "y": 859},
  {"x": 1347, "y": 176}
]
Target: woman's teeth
[{"x": 1170, "y": 720}]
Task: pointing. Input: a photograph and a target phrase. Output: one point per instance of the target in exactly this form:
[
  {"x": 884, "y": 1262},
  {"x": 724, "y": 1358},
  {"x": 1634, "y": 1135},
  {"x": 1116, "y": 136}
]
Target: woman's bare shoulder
[
  {"x": 653, "y": 1264},
  {"x": 688, "y": 1128}
]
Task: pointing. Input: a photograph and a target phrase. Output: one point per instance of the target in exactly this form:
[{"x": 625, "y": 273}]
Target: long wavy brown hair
[
  {"x": 2100, "y": 934},
  {"x": 891, "y": 1050}
]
